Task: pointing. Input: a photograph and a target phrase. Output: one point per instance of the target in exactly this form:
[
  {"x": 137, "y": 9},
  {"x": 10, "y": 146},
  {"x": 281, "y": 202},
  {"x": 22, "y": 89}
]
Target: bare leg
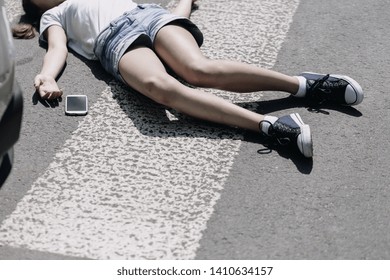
[
  {"x": 179, "y": 50},
  {"x": 143, "y": 70}
]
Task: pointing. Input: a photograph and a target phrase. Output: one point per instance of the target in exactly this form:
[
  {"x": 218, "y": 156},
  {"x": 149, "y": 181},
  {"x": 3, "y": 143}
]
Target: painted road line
[{"x": 137, "y": 182}]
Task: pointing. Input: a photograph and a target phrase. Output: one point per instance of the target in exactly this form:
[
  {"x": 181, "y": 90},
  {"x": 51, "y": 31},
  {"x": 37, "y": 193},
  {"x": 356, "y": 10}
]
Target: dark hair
[{"x": 29, "y": 23}]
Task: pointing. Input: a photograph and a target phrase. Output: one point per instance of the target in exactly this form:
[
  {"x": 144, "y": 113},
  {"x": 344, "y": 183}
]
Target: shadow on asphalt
[
  {"x": 36, "y": 98},
  {"x": 271, "y": 106},
  {"x": 288, "y": 151}
]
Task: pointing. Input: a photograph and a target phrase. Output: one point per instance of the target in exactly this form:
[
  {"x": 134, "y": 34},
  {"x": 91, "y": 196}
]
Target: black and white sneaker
[
  {"x": 292, "y": 129},
  {"x": 338, "y": 89}
]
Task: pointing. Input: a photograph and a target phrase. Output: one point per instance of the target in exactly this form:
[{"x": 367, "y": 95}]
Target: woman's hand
[{"x": 47, "y": 87}]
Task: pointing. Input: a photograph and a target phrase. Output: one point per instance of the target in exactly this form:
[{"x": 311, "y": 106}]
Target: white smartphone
[{"x": 76, "y": 105}]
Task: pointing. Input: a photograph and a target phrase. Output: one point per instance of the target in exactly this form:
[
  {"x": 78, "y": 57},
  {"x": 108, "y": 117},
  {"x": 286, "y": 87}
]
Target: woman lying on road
[{"x": 134, "y": 41}]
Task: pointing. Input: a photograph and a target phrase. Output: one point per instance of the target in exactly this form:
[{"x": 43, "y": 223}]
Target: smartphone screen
[{"x": 76, "y": 105}]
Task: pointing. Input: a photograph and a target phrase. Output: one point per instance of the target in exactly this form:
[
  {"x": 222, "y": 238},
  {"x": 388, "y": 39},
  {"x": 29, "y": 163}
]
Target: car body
[{"x": 11, "y": 98}]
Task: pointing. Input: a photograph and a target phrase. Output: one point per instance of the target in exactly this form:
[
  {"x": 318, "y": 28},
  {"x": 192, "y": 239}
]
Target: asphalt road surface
[{"x": 132, "y": 180}]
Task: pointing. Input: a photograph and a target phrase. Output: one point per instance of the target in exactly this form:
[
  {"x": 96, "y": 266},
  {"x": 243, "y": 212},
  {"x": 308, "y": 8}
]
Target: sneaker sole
[
  {"x": 355, "y": 85},
  {"x": 304, "y": 140}
]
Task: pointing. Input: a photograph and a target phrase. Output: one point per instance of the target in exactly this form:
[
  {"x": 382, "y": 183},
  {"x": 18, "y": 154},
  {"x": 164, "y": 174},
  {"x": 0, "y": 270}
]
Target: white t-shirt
[{"x": 83, "y": 20}]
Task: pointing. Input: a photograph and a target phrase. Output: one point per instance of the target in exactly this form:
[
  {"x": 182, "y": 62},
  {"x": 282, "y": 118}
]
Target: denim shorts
[{"x": 138, "y": 26}]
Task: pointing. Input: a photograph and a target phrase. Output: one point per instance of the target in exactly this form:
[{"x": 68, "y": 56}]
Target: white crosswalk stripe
[{"x": 135, "y": 181}]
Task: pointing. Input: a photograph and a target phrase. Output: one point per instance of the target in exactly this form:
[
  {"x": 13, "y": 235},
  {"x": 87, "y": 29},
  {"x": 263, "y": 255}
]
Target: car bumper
[{"x": 10, "y": 125}]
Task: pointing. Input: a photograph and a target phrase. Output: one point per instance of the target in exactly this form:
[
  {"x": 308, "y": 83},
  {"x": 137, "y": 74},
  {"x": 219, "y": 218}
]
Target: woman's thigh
[
  {"x": 142, "y": 70},
  {"x": 178, "y": 49}
]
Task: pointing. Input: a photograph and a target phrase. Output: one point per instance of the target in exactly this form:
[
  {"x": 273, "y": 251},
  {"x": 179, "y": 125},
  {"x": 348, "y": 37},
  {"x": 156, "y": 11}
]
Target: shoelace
[
  {"x": 273, "y": 141},
  {"x": 316, "y": 100},
  {"x": 315, "y": 86}
]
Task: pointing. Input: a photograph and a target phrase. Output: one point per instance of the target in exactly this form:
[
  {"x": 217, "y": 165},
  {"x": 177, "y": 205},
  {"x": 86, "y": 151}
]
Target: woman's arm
[
  {"x": 184, "y": 8},
  {"x": 53, "y": 63}
]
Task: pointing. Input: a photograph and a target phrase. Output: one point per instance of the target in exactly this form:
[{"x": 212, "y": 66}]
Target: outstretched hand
[{"x": 47, "y": 87}]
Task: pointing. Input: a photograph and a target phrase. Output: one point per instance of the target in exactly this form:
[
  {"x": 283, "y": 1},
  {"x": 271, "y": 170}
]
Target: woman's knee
[
  {"x": 159, "y": 88},
  {"x": 202, "y": 73}
]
